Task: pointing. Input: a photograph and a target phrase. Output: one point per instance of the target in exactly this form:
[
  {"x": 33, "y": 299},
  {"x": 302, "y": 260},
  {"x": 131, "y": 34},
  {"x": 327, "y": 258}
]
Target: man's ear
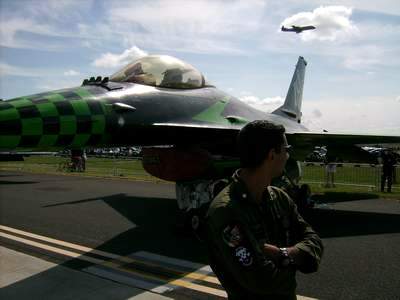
[{"x": 271, "y": 154}]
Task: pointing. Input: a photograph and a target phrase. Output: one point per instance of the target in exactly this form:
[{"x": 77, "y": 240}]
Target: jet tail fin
[{"x": 291, "y": 108}]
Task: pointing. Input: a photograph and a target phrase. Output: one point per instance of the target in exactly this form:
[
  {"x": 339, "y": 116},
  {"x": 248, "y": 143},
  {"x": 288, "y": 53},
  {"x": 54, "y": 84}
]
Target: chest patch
[{"x": 244, "y": 256}]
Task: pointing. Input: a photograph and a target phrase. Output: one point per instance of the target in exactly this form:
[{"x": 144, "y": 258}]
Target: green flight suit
[{"x": 236, "y": 230}]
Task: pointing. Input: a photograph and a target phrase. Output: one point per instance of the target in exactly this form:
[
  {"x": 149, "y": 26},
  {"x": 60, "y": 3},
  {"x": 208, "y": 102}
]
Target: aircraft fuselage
[{"x": 92, "y": 116}]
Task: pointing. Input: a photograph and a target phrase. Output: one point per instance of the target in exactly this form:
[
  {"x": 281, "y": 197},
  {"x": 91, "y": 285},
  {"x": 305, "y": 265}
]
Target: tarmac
[
  {"x": 61, "y": 283},
  {"x": 68, "y": 237}
]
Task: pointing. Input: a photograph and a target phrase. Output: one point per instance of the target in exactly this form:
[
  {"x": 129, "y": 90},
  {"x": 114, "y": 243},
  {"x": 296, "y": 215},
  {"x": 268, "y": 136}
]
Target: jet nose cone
[
  {"x": 20, "y": 124},
  {"x": 50, "y": 121},
  {"x": 10, "y": 126}
]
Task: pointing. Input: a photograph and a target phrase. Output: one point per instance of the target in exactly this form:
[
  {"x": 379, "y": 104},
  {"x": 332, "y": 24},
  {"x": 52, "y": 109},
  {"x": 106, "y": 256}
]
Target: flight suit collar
[{"x": 241, "y": 192}]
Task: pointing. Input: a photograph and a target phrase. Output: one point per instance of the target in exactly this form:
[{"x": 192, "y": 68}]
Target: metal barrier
[{"x": 362, "y": 175}]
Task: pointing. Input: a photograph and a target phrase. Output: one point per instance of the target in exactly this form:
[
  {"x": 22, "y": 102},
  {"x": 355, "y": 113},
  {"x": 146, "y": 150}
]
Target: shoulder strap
[
  {"x": 239, "y": 215},
  {"x": 274, "y": 202},
  {"x": 272, "y": 193}
]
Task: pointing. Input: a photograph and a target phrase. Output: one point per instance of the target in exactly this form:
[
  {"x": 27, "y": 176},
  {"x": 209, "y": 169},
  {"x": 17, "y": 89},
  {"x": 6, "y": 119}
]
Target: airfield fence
[
  {"x": 361, "y": 175},
  {"x": 347, "y": 174}
]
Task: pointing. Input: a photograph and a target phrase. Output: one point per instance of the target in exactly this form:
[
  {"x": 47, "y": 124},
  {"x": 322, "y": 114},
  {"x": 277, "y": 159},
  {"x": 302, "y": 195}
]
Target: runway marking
[
  {"x": 128, "y": 280},
  {"x": 118, "y": 265},
  {"x": 201, "y": 288},
  {"x": 51, "y": 248},
  {"x": 59, "y": 242},
  {"x": 172, "y": 261},
  {"x": 122, "y": 259},
  {"x": 176, "y": 282},
  {"x": 202, "y": 272}
]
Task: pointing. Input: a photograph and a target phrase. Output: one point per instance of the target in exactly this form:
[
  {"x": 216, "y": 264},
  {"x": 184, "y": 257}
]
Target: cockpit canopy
[{"x": 161, "y": 71}]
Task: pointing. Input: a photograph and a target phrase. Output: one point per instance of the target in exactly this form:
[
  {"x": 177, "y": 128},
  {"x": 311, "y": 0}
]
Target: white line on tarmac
[
  {"x": 121, "y": 259},
  {"x": 110, "y": 264},
  {"x": 196, "y": 275}
]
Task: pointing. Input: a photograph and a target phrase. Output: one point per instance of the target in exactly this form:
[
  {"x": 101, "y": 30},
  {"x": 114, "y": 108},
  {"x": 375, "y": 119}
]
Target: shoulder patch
[{"x": 232, "y": 235}]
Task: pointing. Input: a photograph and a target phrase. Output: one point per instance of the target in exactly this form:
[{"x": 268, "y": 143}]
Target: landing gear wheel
[
  {"x": 305, "y": 195},
  {"x": 195, "y": 222},
  {"x": 192, "y": 220},
  {"x": 304, "y": 201}
]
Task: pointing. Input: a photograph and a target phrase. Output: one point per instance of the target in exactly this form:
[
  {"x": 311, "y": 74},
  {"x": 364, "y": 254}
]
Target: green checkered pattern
[{"x": 68, "y": 118}]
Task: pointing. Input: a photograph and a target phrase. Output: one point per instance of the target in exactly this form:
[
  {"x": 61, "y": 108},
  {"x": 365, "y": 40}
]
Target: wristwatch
[{"x": 285, "y": 259}]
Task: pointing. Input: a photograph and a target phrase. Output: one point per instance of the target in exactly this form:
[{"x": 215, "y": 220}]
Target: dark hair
[{"x": 256, "y": 139}]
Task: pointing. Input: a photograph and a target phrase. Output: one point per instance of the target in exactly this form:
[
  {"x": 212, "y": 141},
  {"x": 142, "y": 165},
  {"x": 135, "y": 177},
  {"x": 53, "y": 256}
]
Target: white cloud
[
  {"x": 35, "y": 24},
  {"x": 10, "y": 28},
  {"x": 368, "y": 115},
  {"x": 383, "y": 6},
  {"x": 370, "y": 56},
  {"x": 49, "y": 84},
  {"x": 363, "y": 41},
  {"x": 109, "y": 60},
  {"x": 56, "y": 10},
  {"x": 34, "y": 80},
  {"x": 332, "y": 23},
  {"x": 71, "y": 73},
  {"x": 317, "y": 113},
  {"x": 9, "y": 70},
  {"x": 390, "y": 7},
  {"x": 266, "y": 104},
  {"x": 189, "y": 17},
  {"x": 189, "y": 26},
  {"x": 357, "y": 40}
]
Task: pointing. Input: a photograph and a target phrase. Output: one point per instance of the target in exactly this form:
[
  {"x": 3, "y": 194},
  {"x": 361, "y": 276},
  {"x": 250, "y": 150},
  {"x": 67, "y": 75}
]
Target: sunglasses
[{"x": 287, "y": 147}]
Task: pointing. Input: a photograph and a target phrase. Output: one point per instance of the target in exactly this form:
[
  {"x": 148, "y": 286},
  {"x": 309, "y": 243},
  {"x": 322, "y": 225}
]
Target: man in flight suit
[
  {"x": 256, "y": 238},
  {"x": 388, "y": 163}
]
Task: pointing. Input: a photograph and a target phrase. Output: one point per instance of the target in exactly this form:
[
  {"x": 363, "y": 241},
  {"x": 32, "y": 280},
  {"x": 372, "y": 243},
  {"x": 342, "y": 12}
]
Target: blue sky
[{"x": 352, "y": 79}]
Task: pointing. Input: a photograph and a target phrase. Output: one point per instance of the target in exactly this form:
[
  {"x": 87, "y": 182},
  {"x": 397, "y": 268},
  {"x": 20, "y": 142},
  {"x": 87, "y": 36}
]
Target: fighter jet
[
  {"x": 186, "y": 126},
  {"x": 297, "y": 29}
]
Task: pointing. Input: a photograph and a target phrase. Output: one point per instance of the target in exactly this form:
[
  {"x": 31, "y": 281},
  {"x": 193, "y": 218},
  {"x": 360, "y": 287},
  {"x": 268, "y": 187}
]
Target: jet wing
[
  {"x": 283, "y": 28},
  {"x": 344, "y": 146},
  {"x": 219, "y": 140},
  {"x": 19, "y": 155},
  {"x": 310, "y": 27},
  {"x": 297, "y": 29},
  {"x": 222, "y": 140}
]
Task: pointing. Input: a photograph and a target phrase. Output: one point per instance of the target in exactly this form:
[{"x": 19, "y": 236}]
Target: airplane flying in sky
[
  {"x": 297, "y": 29},
  {"x": 186, "y": 126}
]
